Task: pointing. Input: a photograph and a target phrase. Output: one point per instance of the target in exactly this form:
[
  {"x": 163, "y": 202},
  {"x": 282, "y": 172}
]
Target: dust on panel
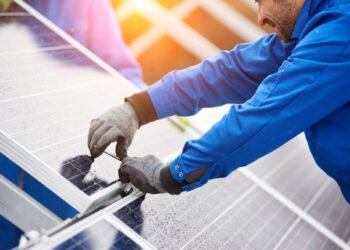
[
  {"x": 50, "y": 92},
  {"x": 171, "y": 221}
]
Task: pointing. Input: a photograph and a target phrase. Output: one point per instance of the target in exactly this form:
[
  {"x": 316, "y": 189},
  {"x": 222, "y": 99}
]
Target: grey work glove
[
  {"x": 116, "y": 124},
  {"x": 143, "y": 173}
]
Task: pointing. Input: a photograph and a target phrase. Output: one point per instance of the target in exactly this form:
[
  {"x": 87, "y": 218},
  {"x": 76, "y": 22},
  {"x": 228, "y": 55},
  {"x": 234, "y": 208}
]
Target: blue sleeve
[
  {"x": 230, "y": 77},
  {"x": 312, "y": 83}
]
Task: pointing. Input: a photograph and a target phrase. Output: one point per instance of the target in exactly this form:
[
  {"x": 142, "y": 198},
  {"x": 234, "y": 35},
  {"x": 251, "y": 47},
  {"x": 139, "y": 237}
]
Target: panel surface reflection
[{"x": 102, "y": 235}]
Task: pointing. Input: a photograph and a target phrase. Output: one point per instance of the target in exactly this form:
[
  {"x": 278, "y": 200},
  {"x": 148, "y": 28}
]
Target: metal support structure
[{"x": 22, "y": 210}]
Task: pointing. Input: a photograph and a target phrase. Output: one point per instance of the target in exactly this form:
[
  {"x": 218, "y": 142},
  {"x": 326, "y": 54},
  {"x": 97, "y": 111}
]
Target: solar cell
[
  {"x": 23, "y": 32},
  {"x": 165, "y": 220},
  {"x": 299, "y": 179},
  {"x": 101, "y": 235},
  {"x": 333, "y": 211},
  {"x": 305, "y": 237},
  {"x": 50, "y": 91},
  {"x": 220, "y": 217}
]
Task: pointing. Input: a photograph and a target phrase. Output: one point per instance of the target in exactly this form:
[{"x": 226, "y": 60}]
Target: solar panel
[
  {"x": 50, "y": 90},
  {"x": 233, "y": 213},
  {"x": 297, "y": 177},
  {"x": 282, "y": 201},
  {"x": 101, "y": 235}
]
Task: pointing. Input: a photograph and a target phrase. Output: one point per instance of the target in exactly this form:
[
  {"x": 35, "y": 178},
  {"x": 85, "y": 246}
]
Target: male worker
[{"x": 281, "y": 85}]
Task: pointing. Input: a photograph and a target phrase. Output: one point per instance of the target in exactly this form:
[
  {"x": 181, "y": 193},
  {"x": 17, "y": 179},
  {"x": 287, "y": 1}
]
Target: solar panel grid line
[
  {"x": 146, "y": 40},
  {"x": 129, "y": 232},
  {"x": 10, "y": 14},
  {"x": 48, "y": 142},
  {"x": 274, "y": 169},
  {"x": 348, "y": 233},
  {"x": 301, "y": 193},
  {"x": 345, "y": 234},
  {"x": 327, "y": 211},
  {"x": 45, "y": 143},
  {"x": 68, "y": 232},
  {"x": 156, "y": 31},
  {"x": 293, "y": 238},
  {"x": 242, "y": 220},
  {"x": 269, "y": 242},
  {"x": 31, "y": 51},
  {"x": 240, "y": 199},
  {"x": 136, "y": 194},
  {"x": 46, "y": 64},
  {"x": 34, "y": 165},
  {"x": 11, "y": 95},
  {"x": 288, "y": 203},
  {"x": 330, "y": 211},
  {"x": 325, "y": 231},
  {"x": 219, "y": 204},
  {"x": 233, "y": 19},
  {"x": 67, "y": 117},
  {"x": 57, "y": 65},
  {"x": 306, "y": 209},
  {"x": 261, "y": 208},
  {"x": 62, "y": 186},
  {"x": 89, "y": 234},
  {"x": 180, "y": 32},
  {"x": 68, "y": 105},
  {"x": 298, "y": 234},
  {"x": 79, "y": 136},
  {"x": 179, "y": 207},
  {"x": 181, "y": 10},
  {"x": 27, "y": 77},
  {"x": 266, "y": 223},
  {"x": 86, "y": 238},
  {"x": 279, "y": 164},
  {"x": 46, "y": 146},
  {"x": 71, "y": 41},
  {"x": 281, "y": 204},
  {"x": 256, "y": 216},
  {"x": 38, "y": 67},
  {"x": 271, "y": 173}
]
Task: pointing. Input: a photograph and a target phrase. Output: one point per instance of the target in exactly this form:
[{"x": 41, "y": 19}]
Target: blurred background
[{"x": 166, "y": 35}]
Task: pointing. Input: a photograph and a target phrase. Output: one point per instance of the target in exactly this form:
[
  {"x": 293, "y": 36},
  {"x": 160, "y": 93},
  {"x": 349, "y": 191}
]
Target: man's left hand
[{"x": 143, "y": 173}]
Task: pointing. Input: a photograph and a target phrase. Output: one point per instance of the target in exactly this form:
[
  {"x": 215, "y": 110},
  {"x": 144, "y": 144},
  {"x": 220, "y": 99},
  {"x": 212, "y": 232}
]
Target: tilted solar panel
[
  {"x": 50, "y": 91},
  {"x": 282, "y": 201}
]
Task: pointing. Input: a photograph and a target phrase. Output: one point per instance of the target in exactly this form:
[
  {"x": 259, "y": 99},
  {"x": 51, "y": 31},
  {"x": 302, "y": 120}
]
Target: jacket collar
[{"x": 310, "y": 9}]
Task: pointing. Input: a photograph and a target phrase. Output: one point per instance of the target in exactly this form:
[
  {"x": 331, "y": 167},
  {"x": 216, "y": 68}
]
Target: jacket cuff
[
  {"x": 168, "y": 182},
  {"x": 143, "y": 106}
]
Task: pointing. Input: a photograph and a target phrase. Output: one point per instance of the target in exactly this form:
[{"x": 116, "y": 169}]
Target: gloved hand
[
  {"x": 143, "y": 173},
  {"x": 117, "y": 124}
]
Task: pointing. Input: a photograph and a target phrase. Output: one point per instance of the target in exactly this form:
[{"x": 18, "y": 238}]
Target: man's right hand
[{"x": 117, "y": 124}]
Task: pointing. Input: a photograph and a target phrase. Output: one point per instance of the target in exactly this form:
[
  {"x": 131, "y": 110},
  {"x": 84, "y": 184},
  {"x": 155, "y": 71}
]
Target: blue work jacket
[{"x": 277, "y": 91}]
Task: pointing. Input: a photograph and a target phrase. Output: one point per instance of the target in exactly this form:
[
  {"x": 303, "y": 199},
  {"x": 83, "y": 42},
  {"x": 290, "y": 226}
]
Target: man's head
[{"x": 280, "y": 15}]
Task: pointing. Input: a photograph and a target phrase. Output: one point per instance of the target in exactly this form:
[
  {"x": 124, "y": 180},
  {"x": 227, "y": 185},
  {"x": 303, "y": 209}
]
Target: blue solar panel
[
  {"x": 101, "y": 235},
  {"x": 51, "y": 91}
]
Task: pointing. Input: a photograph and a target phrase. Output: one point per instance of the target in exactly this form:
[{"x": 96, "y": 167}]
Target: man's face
[{"x": 280, "y": 15}]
